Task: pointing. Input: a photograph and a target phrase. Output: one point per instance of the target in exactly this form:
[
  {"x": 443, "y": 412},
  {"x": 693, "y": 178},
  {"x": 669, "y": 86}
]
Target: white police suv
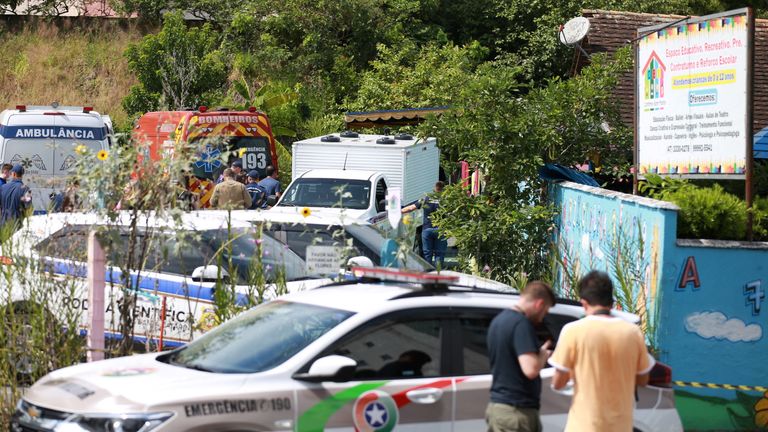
[{"x": 394, "y": 350}]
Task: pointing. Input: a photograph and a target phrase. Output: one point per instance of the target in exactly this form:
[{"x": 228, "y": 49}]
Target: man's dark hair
[
  {"x": 597, "y": 289},
  {"x": 439, "y": 186},
  {"x": 6, "y": 167},
  {"x": 539, "y": 290},
  {"x": 270, "y": 170}
]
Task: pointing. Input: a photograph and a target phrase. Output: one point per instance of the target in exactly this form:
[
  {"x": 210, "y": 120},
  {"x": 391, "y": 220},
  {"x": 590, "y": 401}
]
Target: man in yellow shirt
[{"x": 606, "y": 357}]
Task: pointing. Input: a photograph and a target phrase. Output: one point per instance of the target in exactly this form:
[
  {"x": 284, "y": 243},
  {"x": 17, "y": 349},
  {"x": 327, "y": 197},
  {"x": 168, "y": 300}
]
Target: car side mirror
[
  {"x": 209, "y": 273},
  {"x": 382, "y": 206},
  {"x": 333, "y": 368},
  {"x": 271, "y": 200}
]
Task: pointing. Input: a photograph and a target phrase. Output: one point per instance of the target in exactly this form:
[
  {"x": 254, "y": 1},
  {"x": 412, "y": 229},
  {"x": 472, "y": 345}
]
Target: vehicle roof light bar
[{"x": 384, "y": 274}]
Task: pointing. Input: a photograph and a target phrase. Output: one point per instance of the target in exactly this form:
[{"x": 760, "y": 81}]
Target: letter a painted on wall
[{"x": 690, "y": 274}]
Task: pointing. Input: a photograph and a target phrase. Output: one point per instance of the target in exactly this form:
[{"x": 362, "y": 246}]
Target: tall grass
[{"x": 43, "y": 63}]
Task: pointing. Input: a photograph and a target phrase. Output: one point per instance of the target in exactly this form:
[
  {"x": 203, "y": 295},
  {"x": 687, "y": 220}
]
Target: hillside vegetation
[{"x": 76, "y": 66}]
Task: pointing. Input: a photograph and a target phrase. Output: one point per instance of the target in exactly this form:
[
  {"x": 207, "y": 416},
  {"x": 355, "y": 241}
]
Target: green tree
[
  {"x": 413, "y": 76},
  {"x": 508, "y": 134},
  {"x": 178, "y": 67}
]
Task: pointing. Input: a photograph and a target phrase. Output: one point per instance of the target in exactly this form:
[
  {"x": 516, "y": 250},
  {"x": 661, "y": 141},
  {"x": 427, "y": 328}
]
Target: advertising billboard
[{"x": 693, "y": 105}]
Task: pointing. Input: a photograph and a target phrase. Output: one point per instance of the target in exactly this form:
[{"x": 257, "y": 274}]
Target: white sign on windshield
[{"x": 324, "y": 260}]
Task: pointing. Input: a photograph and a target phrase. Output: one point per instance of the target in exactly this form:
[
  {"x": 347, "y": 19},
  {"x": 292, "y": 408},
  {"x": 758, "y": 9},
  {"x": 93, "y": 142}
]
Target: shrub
[
  {"x": 760, "y": 227},
  {"x": 708, "y": 213}
]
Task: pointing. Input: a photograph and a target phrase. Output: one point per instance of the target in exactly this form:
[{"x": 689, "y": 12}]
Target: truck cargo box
[{"x": 410, "y": 164}]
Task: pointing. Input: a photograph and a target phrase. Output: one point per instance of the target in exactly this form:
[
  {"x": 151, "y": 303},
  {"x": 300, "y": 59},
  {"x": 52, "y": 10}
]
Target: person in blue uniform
[
  {"x": 15, "y": 199},
  {"x": 433, "y": 246}
]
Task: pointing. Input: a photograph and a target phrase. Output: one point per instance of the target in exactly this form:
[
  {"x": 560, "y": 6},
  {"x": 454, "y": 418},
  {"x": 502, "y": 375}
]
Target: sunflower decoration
[
  {"x": 241, "y": 152},
  {"x": 761, "y": 411},
  {"x": 407, "y": 219},
  {"x": 81, "y": 149},
  {"x": 102, "y": 155},
  {"x": 306, "y": 212}
]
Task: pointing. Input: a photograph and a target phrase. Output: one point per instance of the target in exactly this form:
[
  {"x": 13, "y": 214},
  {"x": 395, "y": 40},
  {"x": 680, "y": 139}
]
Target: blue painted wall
[{"x": 708, "y": 298}]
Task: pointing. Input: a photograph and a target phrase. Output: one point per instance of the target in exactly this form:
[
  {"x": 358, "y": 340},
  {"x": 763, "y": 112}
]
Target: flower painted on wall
[{"x": 761, "y": 412}]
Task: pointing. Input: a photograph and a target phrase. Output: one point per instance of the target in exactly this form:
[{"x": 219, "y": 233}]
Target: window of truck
[{"x": 322, "y": 192}]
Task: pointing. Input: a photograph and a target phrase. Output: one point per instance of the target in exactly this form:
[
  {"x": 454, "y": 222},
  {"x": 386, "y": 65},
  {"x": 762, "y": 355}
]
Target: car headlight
[{"x": 113, "y": 423}]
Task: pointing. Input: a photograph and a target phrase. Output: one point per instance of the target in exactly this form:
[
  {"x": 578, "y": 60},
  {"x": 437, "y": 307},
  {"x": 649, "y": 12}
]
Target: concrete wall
[{"x": 705, "y": 299}]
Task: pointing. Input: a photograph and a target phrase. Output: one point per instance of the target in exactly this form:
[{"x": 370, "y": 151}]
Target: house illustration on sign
[{"x": 654, "y": 77}]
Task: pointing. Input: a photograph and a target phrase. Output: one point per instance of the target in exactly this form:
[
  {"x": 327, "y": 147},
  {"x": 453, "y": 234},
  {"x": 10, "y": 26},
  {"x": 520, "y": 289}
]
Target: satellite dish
[{"x": 574, "y": 31}]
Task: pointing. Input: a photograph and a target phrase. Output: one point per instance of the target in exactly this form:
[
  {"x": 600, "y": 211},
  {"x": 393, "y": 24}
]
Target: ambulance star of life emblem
[{"x": 209, "y": 159}]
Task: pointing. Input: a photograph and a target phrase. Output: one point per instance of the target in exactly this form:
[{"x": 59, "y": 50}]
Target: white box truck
[
  {"x": 43, "y": 140},
  {"x": 352, "y": 172}
]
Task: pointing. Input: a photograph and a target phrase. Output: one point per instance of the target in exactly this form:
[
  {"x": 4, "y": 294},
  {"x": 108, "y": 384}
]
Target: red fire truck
[{"x": 223, "y": 136}]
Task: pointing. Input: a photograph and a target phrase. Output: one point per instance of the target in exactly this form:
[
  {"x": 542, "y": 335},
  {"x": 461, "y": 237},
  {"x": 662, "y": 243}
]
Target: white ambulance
[{"x": 43, "y": 140}]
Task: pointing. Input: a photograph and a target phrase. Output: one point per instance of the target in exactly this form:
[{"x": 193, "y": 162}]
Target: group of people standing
[
  {"x": 237, "y": 190},
  {"x": 603, "y": 356},
  {"x": 15, "y": 197}
]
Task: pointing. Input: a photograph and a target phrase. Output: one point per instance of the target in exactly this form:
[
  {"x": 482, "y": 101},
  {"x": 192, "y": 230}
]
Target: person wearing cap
[
  {"x": 230, "y": 194},
  {"x": 237, "y": 169},
  {"x": 258, "y": 193},
  {"x": 15, "y": 199}
]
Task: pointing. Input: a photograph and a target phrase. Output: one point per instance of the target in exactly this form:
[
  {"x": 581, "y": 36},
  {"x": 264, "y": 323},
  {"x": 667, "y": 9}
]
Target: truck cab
[
  {"x": 351, "y": 173},
  {"x": 355, "y": 194}
]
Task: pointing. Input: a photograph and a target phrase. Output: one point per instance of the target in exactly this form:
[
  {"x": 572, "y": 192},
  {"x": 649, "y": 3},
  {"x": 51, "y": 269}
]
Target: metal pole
[
  {"x": 750, "y": 126},
  {"x": 635, "y": 152},
  {"x": 96, "y": 287},
  {"x": 162, "y": 325}
]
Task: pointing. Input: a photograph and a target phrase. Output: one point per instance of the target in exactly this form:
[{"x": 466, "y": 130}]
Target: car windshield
[
  {"x": 317, "y": 192},
  {"x": 258, "y": 340},
  {"x": 348, "y": 241}
]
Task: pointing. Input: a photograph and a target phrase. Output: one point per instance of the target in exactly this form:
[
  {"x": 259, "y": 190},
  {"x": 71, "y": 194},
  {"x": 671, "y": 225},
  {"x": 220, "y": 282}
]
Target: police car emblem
[{"x": 375, "y": 411}]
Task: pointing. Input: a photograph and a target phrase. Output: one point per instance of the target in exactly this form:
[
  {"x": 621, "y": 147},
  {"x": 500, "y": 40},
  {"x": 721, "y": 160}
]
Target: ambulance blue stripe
[{"x": 56, "y": 132}]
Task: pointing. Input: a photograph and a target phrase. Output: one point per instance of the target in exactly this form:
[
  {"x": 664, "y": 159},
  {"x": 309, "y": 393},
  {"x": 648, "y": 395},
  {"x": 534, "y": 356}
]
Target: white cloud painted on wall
[{"x": 715, "y": 325}]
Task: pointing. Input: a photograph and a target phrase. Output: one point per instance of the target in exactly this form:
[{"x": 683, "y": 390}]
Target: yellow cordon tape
[{"x": 720, "y": 386}]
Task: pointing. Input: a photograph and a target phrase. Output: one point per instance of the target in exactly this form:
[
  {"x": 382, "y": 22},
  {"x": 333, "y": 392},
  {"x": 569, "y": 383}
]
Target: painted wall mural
[{"x": 704, "y": 301}]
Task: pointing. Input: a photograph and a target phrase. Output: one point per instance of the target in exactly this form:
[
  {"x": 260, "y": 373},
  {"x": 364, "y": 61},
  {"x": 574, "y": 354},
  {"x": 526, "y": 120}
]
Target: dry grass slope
[{"x": 43, "y": 63}]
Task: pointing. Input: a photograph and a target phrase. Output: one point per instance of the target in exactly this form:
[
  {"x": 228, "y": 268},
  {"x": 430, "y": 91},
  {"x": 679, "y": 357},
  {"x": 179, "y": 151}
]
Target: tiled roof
[{"x": 610, "y": 30}]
